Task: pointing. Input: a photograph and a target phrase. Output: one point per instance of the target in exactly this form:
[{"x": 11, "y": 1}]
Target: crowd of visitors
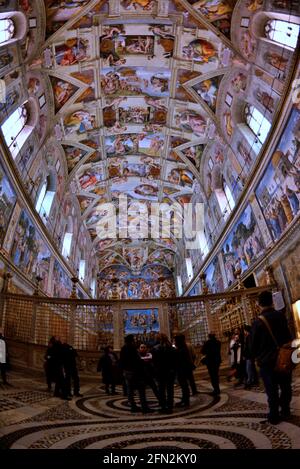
[
  {"x": 155, "y": 366},
  {"x": 259, "y": 343},
  {"x": 160, "y": 364}
]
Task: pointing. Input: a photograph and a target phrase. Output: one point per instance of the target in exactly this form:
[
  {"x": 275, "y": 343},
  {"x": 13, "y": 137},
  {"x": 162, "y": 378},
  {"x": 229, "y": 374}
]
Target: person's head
[
  {"x": 212, "y": 336},
  {"x": 143, "y": 348},
  {"x": 163, "y": 339},
  {"x": 265, "y": 299},
  {"x": 52, "y": 340},
  {"x": 236, "y": 337},
  {"x": 129, "y": 339},
  {"x": 180, "y": 340},
  {"x": 247, "y": 329}
]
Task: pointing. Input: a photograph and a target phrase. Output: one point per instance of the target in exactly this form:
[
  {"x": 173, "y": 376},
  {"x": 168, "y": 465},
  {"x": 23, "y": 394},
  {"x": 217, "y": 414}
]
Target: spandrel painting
[
  {"x": 208, "y": 91},
  {"x": 29, "y": 252},
  {"x": 179, "y": 175},
  {"x": 73, "y": 156},
  {"x": 214, "y": 279},
  {"x": 278, "y": 193},
  {"x": 8, "y": 200},
  {"x": 190, "y": 120},
  {"x": 194, "y": 154},
  {"x": 62, "y": 91},
  {"x": 87, "y": 77},
  {"x": 141, "y": 322},
  {"x": 243, "y": 246},
  {"x": 79, "y": 122}
]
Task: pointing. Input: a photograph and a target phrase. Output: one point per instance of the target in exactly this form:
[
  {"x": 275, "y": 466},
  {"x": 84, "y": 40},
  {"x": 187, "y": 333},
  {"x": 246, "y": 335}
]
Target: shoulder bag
[{"x": 284, "y": 363}]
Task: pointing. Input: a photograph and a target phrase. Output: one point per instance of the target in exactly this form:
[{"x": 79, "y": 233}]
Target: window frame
[
  {"x": 279, "y": 34},
  {"x": 11, "y": 34}
]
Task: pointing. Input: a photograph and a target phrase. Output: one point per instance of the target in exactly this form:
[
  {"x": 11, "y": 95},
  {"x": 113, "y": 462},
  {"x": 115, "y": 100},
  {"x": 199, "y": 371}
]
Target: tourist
[
  {"x": 251, "y": 373},
  {"x": 109, "y": 366},
  {"x": 148, "y": 369},
  {"x": 212, "y": 351},
  {"x": 49, "y": 365},
  {"x": 265, "y": 350},
  {"x": 70, "y": 368},
  {"x": 57, "y": 356},
  {"x": 165, "y": 368},
  {"x": 235, "y": 350},
  {"x": 132, "y": 367},
  {"x": 184, "y": 366},
  {"x": 3, "y": 357},
  {"x": 191, "y": 378}
]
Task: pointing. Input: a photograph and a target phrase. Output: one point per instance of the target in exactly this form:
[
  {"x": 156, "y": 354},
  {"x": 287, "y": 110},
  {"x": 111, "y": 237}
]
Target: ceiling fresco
[
  {"x": 132, "y": 81},
  {"x": 143, "y": 98}
]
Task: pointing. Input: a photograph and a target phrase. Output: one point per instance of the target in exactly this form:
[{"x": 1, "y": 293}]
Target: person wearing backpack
[{"x": 270, "y": 332}]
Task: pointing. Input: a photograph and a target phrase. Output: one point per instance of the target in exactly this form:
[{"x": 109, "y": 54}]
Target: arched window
[
  {"x": 17, "y": 128},
  {"x": 93, "y": 288},
  {"x": 259, "y": 124},
  {"x": 202, "y": 242},
  {"x": 82, "y": 270},
  {"x": 225, "y": 200},
  {"x": 189, "y": 268},
  {"x": 45, "y": 198},
  {"x": 67, "y": 244},
  {"x": 179, "y": 285},
  {"x": 282, "y": 32},
  {"x": 7, "y": 30}
]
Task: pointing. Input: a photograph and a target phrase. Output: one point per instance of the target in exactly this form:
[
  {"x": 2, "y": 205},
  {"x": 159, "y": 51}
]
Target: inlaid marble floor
[{"x": 31, "y": 418}]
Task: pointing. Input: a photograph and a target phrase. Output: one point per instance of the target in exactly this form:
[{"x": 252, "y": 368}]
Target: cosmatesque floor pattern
[{"x": 31, "y": 418}]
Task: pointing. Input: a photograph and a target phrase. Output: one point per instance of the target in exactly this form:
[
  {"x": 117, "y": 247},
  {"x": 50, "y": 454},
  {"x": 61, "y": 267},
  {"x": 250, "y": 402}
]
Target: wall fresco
[{"x": 278, "y": 193}]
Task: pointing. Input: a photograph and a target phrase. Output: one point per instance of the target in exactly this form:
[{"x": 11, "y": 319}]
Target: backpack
[{"x": 284, "y": 363}]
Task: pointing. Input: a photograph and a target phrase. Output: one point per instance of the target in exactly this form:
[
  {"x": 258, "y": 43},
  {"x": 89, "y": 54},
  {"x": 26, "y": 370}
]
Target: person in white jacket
[
  {"x": 235, "y": 355},
  {"x": 3, "y": 357}
]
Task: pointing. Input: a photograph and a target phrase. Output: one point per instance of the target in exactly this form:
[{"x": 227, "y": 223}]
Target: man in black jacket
[
  {"x": 264, "y": 349},
  {"x": 212, "y": 351},
  {"x": 132, "y": 366},
  {"x": 164, "y": 359},
  {"x": 71, "y": 372}
]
